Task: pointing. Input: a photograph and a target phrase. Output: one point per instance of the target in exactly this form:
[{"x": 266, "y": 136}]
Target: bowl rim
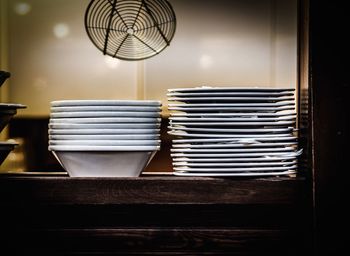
[
  {"x": 68, "y": 148},
  {"x": 92, "y": 102}
]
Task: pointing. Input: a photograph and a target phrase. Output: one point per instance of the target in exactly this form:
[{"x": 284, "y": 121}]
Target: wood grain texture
[
  {"x": 153, "y": 216},
  {"x": 155, "y": 190},
  {"x": 124, "y": 241},
  {"x": 156, "y": 216}
]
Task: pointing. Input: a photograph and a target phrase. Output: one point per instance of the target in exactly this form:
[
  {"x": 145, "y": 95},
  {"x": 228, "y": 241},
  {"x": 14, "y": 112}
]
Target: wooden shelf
[
  {"x": 153, "y": 215},
  {"x": 61, "y": 190}
]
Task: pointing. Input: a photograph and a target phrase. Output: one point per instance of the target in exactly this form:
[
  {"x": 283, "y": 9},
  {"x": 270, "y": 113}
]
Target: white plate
[
  {"x": 235, "y": 145},
  {"x": 231, "y": 89},
  {"x": 236, "y": 136},
  {"x": 103, "y": 126},
  {"x": 102, "y": 131},
  {"x": 100, "y": 114},
  {"x": 235, "y": 140},
  {"x": 247, "y": 169},
  {"x": 234, "y": 160},
  {"x": 103, "y": 148},
  {"x": 61, "y": 103},
  {"x": 232, "y": 150},
  {"x": 232, "y": 105},
  {"x": 248, "y": 130},
  {"x": 106, "y": 108},
  {"x": 93, "y": 143},
  {"x": 238, "y": 140},
  {"x": 106, "y": 137},
  {"x": 235, "y": 115},
  {"x": 98, "y": 120},
  {"x": 232, "y": 119},
  {"x": 212, "y": 124},
  {"x": 233, "y": 155},
  {"x": 237, "y": 164},
  {"x": 230, "y": 99},
  {"x": 230, "y": 109},
  {"x": 255, "y": 174},
  {"x": 228, "y": 93}
]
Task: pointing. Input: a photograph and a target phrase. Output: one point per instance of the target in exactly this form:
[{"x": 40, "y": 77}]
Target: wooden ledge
[{"x": 62, "y": 190}]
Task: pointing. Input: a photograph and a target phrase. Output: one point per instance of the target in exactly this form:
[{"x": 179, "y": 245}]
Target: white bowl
[
  {"x": 104, "y": 163},
  {"x": 95, "y": 143},
  {"x": 100, "y": 120},
  {"x": 102, "y": 131},
  {"x": 106, "y": 103},
  {"x": 103, "y": 126},
  {"x": 107, "y": 108},
  {"x": 104, "y": 148},
  {"x": 103, "y": 114},
  {"x": 106, "y": 137}
]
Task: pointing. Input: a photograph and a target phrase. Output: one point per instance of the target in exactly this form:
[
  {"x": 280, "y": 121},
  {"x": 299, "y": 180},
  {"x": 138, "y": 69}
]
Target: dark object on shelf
[
  {"x": 3, "y": 76},
  {"x": 130, "y": 29},
  {"x": 5, "y": 149},
  {"x": 7, "y": 111}
]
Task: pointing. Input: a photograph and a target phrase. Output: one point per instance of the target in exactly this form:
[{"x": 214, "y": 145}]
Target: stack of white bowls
[
  {"x": 104, "y": 138},
  {"x": 223, "y": 131}
]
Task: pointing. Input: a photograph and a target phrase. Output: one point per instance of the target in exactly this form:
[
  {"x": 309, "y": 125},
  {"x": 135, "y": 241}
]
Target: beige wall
[{"x": 217, "y": 42}]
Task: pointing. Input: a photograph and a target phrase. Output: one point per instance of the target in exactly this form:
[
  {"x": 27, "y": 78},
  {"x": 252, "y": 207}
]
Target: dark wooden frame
[{"x": 329, "y": 83}]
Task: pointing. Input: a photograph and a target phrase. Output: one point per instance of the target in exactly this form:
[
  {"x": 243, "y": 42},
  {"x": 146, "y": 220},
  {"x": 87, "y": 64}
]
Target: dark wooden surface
[
  {"x": 151, "y": 190},
  {"x": 154, "y": 216},
  {"x": 164, "y": 241}
]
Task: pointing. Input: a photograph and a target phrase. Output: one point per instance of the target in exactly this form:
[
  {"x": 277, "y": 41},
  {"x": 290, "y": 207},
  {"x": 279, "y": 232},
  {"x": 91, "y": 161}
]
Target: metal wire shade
[{"x": 130, "y": 29}]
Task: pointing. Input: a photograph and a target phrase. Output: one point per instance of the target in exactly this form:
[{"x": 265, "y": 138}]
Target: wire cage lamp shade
[{"x": 130, "y": 29}]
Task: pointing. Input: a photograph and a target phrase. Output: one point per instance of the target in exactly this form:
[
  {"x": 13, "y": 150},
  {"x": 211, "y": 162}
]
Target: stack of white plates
[
  {"x": 104, "y": 138},
  {"x": 221, "y": 131}
]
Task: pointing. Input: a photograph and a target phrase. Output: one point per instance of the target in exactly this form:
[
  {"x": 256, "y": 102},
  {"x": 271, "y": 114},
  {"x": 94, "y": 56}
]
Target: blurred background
[{"x": 43, "y": 44}]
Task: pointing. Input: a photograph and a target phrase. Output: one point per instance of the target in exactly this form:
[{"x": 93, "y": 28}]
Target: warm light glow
[
  {"x": 112, "y": 63},
  {"x": 61, "y": 30},
  {"x": 22, "y": 8},
  {"x": 205, "y": 61}
]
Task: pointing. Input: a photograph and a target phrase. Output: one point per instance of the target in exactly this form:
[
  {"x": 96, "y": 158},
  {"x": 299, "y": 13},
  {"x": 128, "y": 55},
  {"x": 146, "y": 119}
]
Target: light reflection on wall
[
  {"x": 22, "y": 8},
  {"x": 40, "y": 84},
  {"x": 112, "y": 63},
  {"x": 205, "y": 61},
  {"x": 61, "y": 30}
]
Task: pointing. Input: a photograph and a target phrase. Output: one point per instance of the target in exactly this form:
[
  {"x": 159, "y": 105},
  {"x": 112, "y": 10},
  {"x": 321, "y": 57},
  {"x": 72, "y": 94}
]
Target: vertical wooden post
[{"x": 330, "y": 122}]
